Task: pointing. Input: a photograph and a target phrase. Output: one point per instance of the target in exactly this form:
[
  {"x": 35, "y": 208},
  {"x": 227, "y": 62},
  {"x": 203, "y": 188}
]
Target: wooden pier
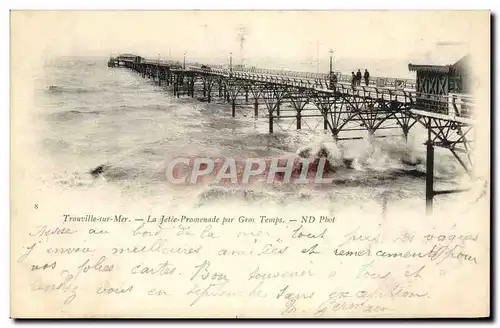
[{"x": 437, "y": 99}]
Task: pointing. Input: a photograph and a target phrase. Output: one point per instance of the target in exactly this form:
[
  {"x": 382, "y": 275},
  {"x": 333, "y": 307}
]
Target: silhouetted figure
[
  {"x": 353, "y": 79},
  {"x": 366, "y": 77},
  {"x": 333, "y": 81},
  {"x": 358, "y": 77}
]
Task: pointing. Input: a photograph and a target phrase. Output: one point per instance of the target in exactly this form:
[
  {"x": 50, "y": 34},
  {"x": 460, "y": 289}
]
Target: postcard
[{"x": 250, "y": 164}]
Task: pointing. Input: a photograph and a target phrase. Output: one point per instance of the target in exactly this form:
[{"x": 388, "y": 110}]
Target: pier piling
[{"x": 429, "y": 179}]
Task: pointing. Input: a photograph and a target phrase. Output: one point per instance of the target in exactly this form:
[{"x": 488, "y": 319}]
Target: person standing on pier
[
  {"x": 367, "y": 77},
  {"x": 353, "y": 79},
  {"x": 358, "y": 77}
]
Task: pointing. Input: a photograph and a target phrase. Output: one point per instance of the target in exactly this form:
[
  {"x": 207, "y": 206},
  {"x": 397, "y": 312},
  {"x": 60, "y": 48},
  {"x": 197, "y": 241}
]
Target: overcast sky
[{"x": 281, "y": 37}]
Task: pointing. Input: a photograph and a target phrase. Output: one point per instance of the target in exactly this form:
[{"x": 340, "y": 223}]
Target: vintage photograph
[{"x": 246, "y": 164}]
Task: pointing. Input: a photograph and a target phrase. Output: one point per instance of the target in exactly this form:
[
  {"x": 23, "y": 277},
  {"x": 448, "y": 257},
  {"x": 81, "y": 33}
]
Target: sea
[{"x": 89, "y": 115}]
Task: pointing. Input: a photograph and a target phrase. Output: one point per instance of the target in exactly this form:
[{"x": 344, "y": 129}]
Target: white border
[{"x": 253, "y": 4}]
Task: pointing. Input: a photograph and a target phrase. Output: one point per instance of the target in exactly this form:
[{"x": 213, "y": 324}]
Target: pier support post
[
  {"x": 256, "y": 108},
  {"x": 220, "y": 90},
  {"x": 429, "y": 178},
  {"x": 278, "y": 109},
  {"x": 177, "y": 87},
  {"x": 270, "y": 122},
  {"x": 233, "y": 108},
  {"x": 325, "y": 122},
  {"x": 192, "y": 87},
  {"x": 246, "y": 94},
  {"x": 299, "y": 120},
  {"x": 207, "y": 88},
  {"x": 335, "y": 134}
]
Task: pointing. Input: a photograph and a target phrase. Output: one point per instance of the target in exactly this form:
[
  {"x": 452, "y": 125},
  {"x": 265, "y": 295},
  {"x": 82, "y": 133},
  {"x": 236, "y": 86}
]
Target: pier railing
[
  {"x": 394, "y": 83},
  {"x": 459, "y": 105},
  {"x": 378, "y": 88}
]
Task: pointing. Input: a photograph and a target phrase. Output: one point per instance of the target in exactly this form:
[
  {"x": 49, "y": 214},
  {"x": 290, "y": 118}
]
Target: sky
[{"x": 287, "y": 36}]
